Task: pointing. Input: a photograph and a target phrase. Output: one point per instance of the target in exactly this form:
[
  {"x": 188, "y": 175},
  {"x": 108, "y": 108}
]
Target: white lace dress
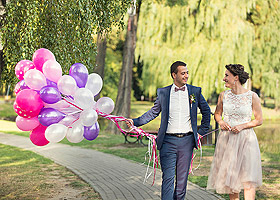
[{"x": 237, "y": 162}]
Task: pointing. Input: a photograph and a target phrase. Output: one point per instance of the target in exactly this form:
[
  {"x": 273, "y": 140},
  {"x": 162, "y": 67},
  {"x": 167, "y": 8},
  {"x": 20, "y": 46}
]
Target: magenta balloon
[
  {"x": 80, "y": 73},
  {"x": 91, "y": 132},
  {"x": 37, "y": 136},
  {"x": 26, "y": 124},
  {"x": 29, "y": 100},
  {"x": 50, "y": 94},
  {"x": 40, "y": 56},
  {"x": 50, "y": 116},
  {"x": 22, "y": 67},
  {"x": 23, "y": 113}
]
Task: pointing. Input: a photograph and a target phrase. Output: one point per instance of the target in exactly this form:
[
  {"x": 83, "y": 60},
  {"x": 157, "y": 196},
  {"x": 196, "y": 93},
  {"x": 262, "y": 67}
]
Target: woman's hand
[
  {"x": 224, "y": 126},
  {"x": 238, "y": 128}
]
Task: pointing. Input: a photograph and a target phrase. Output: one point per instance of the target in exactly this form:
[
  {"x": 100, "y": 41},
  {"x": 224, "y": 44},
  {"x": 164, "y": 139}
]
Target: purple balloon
[
  {"x": 49, "y": 116},
  {"x": 22, "y": 85},
  {"x": 80, "y": 73},
  {"x": 91, "y": 132},
  {"x": 51, "y": 83},
  {"x": 50, "y": 94}
]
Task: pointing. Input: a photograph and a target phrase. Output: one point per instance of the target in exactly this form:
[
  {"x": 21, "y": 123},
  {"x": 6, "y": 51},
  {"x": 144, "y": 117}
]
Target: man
[{"x": 178, "y": 133}]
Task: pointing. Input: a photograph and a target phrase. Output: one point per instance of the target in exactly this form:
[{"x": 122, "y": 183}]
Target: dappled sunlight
[
  {"x": 8, "y": 126},
  {"x": 22, "y": 162}
]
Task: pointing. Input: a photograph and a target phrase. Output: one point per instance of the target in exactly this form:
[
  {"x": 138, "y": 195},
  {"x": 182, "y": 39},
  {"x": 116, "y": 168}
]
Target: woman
[{"x": 237, "y": 161}]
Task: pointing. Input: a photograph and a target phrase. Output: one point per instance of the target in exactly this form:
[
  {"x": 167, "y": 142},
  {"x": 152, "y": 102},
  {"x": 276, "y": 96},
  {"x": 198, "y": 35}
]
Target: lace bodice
[{"x": 237, "y": 109}]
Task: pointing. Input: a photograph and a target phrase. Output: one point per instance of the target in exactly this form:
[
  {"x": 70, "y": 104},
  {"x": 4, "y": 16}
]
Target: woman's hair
[{"x": 238, "y": 70}]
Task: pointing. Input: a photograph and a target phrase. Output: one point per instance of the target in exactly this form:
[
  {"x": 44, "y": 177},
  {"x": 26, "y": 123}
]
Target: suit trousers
[{"x": 175, "y": 158}]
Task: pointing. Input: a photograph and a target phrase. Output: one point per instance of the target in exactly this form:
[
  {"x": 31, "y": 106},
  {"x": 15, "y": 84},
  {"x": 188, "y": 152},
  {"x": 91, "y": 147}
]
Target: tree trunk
[
  {"x": 122, "y": 106},
  {"x": 100, "y": 57},
  {"x": 101, "y": 54},
  {"x": 2, "y": 17}
]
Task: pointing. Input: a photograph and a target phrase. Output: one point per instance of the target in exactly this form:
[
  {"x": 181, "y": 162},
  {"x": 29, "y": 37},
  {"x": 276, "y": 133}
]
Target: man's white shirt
[{"x": 179, "y": 111}]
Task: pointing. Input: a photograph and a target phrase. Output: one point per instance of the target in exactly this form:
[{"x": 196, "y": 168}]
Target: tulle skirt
[{"x": 236, "y": 164}]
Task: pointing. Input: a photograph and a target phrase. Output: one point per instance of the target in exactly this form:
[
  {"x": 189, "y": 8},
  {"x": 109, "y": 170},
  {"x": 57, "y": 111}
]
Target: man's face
[{"x": 181, "y": 77}]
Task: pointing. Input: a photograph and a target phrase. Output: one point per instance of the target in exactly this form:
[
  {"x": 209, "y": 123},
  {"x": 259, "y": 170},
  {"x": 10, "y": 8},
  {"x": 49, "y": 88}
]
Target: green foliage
[
  {"x": 266, "y": 54},
  {"x": 207, "y": 35},
  {"x": 66, "y": 28}
]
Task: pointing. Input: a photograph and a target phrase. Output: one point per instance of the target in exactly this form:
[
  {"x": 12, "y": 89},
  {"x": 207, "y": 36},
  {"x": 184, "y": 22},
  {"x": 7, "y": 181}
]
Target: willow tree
[
  {"x": 207, "y": 35},
  {"x": 265, "y": 60},
  {"x": 64, "y": 27}
]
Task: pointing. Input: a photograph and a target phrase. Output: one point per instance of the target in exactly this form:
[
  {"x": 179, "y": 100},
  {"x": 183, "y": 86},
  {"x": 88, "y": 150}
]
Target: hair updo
[{"x": 238, "y": 70}]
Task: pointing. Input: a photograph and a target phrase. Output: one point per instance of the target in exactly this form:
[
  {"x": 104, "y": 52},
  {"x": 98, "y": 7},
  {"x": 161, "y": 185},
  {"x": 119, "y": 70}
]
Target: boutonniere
[{"x": 192, "y": 99}]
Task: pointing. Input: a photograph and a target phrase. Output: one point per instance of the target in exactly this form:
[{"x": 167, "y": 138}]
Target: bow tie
[{"x": 181, "y": 88}]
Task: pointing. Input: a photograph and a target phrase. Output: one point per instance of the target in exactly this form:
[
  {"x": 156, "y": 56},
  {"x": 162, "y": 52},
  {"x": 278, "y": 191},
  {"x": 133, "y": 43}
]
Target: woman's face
[{"x": 229, "y": 79}]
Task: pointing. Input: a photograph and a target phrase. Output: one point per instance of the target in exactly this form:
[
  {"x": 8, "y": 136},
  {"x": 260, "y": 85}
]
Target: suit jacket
[{"x": 161, "y": 105}]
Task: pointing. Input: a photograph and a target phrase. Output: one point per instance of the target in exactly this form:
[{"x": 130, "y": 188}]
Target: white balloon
[
  {"x": 105, "y": 104},
  {"x": 88, "y": 117},
  {"x": 55, "y": 132},
  {"x": 67, "y": 85},
  {"x": 84, "y": 98},
  {"x": 35, "y": 79},
  {"x": 75, "y": 132},
  {"x": 94, "y": 83},
  {"x": 68, "y": 120}
]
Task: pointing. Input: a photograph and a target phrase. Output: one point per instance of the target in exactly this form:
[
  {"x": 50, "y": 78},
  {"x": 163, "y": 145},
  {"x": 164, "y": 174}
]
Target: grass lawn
[{"x": 27, "y": 175}]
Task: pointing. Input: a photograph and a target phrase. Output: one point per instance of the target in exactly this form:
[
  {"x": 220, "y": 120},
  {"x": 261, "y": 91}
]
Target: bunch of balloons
[{"x": 54, "y": 106}]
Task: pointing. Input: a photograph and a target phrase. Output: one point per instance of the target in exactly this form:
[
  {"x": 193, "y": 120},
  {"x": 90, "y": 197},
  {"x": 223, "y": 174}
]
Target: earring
[{"x": 234, "y": 83}]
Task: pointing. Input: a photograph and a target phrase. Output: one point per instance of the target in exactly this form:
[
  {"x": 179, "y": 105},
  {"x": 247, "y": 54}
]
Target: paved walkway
[{"x": 111, "y": 176}]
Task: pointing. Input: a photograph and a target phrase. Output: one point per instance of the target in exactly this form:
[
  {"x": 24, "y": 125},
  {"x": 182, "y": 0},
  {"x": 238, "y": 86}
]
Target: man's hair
[{"x": 175, "y": 65}]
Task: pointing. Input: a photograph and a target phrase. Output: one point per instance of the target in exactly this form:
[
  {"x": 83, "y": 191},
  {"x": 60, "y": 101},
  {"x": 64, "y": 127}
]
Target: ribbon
[
  {"x": 152, "y": 151},
  {"x": 200, "y": 147}
]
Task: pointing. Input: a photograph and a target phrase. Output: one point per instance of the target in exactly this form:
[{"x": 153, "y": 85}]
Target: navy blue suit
[{"x": 170, "y": 164}]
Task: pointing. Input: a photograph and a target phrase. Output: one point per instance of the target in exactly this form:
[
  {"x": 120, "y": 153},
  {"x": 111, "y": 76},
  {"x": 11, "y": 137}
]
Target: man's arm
[
  {"x": 149, "y": 115},
  {"x": 146, "y": 117},
  {"x": 206, "y": 114}
]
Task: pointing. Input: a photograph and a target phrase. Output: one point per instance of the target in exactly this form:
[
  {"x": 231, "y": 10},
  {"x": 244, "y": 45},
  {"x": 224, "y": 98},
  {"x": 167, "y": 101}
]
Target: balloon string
[
  {"x": 200, "y": 147},
  {"x": 138, "y": 132},
  {"x": 72, "y": 104},
  {"x": 152, "y": 141}
]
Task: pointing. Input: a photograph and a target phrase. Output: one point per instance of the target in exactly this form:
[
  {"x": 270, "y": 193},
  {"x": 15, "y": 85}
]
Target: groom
[{"x": 178, "y": 133}]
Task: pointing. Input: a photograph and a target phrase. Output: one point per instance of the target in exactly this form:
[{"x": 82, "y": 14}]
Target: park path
[{"x": 113, "y": 177}]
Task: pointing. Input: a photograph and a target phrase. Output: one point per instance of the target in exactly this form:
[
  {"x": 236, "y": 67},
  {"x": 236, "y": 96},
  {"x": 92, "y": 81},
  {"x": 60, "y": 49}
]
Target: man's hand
[{"x": 129, "y": 122}]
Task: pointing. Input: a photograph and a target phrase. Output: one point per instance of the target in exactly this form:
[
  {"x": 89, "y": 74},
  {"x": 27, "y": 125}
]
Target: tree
[
  {"x": 2, "y": 17},
  {"x": 207, "y": 35},
  {"x": 266, "y": 51},
  {"x": 64, "y": 27},
  {"x": 123, "y": 100}
]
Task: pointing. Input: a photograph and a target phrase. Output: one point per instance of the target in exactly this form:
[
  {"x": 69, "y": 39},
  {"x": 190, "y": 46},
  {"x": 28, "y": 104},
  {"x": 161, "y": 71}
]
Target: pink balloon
[
  {"x": 22, "y": 67},
  {"x": 29, "y": 100},
  {"x": 26, "y": 124},
  {"x": 40, "y": 56},
  {"x": 23, "y": 113},
  {"x": 35, "y": 79},
  {"x": 37, "y": 136},
  {"x": 17, "y": 88},
  {"x": 52, "y": 70}
]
